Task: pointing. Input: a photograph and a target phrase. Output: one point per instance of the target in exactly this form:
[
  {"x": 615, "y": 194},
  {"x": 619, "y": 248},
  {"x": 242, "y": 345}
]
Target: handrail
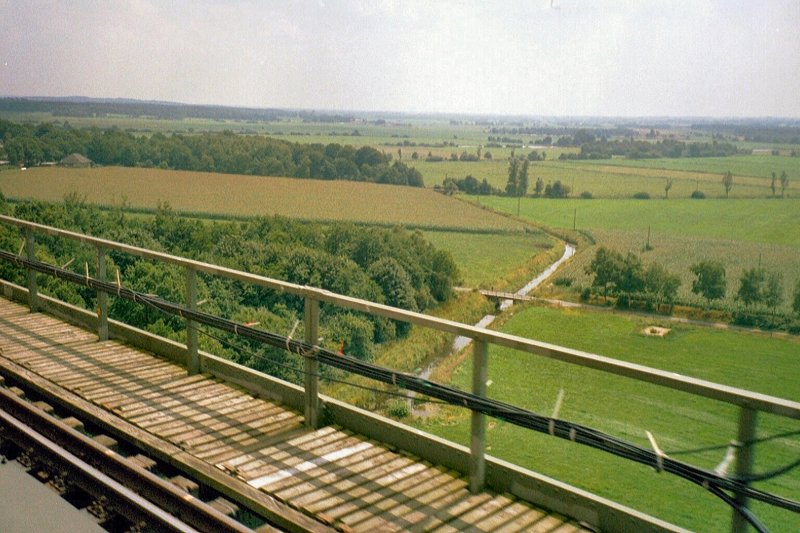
[{"x": 700, "y": 387}]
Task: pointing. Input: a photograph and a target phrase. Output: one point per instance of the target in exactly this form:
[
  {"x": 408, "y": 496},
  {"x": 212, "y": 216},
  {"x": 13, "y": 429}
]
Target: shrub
[
  {"x": 642, "y": 195},
  {"x": 398, "y": 408},
  {"x": 586, "y": 195},
  {"x": 698, "y": 195},
  {"x": 563, "y": 281}
]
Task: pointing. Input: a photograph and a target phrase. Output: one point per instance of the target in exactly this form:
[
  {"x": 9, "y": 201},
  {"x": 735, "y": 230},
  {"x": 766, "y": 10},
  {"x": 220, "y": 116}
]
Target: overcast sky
[{"x": 533, "y": 57}]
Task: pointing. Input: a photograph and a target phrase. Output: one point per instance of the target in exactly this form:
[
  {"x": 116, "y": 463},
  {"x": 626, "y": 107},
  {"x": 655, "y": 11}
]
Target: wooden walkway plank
[
  {"x": 284, "y": 458},
  {"x": 508, "y": 514},
  {"x": 196, "y": 434},
  {"x": 486, "y": 515},
  {"x": 317, "y": 478},
  {"x": 343, "y": 479},
  {"x": 350, "y": 475},
  {"x": 402, "y": 501},
  {"x": 244, "y": 461},
  {"x": 526, "y": 522},
  {"x": 449, "y": 509},
  {"x": 386, "y": 488}
]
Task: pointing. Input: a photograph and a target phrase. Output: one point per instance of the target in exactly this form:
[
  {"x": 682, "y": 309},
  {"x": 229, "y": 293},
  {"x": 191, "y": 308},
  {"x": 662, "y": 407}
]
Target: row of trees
[
  {"x": 626, "y": 277},
  {"x": 208, "y": 152},
  {"x": 605, "y": 149},
  {"x": 391, "y": 266},
  {"x": 784, "y": 180}
]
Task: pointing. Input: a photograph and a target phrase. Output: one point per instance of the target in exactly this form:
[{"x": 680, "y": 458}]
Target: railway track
[{"x": 113, "y": 480}]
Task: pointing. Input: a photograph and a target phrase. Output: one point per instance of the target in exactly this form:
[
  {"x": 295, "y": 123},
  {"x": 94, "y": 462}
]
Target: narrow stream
[{"x": 462, "y": 342}]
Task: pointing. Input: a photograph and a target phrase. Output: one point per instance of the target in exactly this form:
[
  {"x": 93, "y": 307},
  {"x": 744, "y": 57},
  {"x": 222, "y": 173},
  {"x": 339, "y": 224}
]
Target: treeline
[
  {"x": 605, "y": 149},
  {"x": 762, "y": 133},
  {"x": 391, "y": 266},
  {"x": 561, "y": 131},
  {"x": 208, "y": 152},
  {"x": 759, "y": 295},
  {"x": 101, "y": 107}
]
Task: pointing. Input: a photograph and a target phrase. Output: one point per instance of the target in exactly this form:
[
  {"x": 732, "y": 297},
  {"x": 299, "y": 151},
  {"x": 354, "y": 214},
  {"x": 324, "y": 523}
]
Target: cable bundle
[{"x": 710, "y": 480}]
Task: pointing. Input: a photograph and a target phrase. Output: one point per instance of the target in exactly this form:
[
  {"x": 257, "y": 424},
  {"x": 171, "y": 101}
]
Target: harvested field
[{"x": 246, "y": 196}]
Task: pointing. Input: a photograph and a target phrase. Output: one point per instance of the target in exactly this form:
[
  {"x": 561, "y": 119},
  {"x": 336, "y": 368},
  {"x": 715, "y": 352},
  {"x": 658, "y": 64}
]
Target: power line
[{"x": 712, "y": 481}]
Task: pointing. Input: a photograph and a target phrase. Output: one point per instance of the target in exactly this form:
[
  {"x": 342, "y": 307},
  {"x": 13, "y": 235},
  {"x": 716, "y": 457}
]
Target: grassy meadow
[
  {"x": 493, "y": 249},
  {"x": 622, "y": 178},
  {"x": 487, "y": 260},
  {"x": 741, "y": 233},
  {"x": 768, "y": 221},
  {"x": 627, "y": 408},
  {"x": 760, "y": 166}
]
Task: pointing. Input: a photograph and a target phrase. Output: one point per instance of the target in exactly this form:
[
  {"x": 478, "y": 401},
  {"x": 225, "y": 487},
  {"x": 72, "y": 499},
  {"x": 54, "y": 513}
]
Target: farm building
[{"x": 76, "y": 160}]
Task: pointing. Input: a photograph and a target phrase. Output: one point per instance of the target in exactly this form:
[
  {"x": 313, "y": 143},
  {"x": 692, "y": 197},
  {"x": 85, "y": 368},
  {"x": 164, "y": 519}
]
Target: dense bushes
[{"x": 391, "y": 266}]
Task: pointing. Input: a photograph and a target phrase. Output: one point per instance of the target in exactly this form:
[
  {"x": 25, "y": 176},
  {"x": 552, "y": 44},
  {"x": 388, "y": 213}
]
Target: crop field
[
  {"x": 486, "y": 260},
  {"x": 769, "y": 221},
  {"x": 246, "y": 196},
  {"x": 627, "y": 408},
  {"x": 603, "y": 179},
  {"x": 741, "y": 165}
]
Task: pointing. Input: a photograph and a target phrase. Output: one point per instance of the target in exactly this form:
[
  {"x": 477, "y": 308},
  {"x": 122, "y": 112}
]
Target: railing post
[
  {"x": 102, "y": 297},
  {"x": 33, "y": 287},
  {"x": 311, "y": 321},
  {"x": 477, "y": 466},
  {"x": 744, "y": 460},
  {"x": 192, "y": 356}
]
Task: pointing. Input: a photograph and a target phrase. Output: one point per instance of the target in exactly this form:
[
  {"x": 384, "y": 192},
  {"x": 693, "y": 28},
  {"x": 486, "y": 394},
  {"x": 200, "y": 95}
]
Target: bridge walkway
[{"x": 337, "y": 477}]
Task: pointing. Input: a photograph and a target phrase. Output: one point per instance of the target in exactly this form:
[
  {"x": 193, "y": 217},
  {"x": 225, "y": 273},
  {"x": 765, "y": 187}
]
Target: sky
[{"x": 702, "y": 58}]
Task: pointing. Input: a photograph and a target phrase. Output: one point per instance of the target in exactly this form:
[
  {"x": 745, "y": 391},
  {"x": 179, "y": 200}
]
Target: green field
[
  {"x": 740, "y": 165},
  {"x": 753, "y": 220},
  {"x": 740, "y": 233},
  {"x": 246, "y": 196},
  {"x": 488, "y": 260},
  {"x": 626, "y": 408},
  {"x": 621, "y": 178}
]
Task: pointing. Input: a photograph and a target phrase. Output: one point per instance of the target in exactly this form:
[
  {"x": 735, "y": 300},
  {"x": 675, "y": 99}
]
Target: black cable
[
  {"x": 743, "y": 511},
  {"x": 516, "y": 415},
  {"x": 303, "y": 372}
]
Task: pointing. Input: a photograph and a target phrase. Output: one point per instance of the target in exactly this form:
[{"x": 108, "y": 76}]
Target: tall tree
[
  {"x": 784, "y": 183},
  {"x": 752, "y": 286},
  {"x": 796, "y": 298},
  {"x": 607, "y": 267},
  {"x": 661, "y": 285},
  {"x": 667, "y": 187},
  {"x": 539, "y": 187},
  {"x": 773, "y": 291},
  {"x": 522, "y": 183},
  {"x": 774, "y": 181},
  {"x": 758, "y": 286},
  {"x": 727, "y": 182},
  {"x": 522, "y": 179},
  {"x": 513, "y": 171},
  {"x": 710, "y": 282}
]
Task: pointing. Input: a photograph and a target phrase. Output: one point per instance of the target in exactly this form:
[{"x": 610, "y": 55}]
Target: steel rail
[{"x": 104, "y": 473}]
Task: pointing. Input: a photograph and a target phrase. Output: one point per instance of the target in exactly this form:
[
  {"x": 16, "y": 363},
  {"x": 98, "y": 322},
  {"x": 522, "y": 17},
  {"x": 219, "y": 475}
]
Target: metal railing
[{"x": 750, "y": 403}]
